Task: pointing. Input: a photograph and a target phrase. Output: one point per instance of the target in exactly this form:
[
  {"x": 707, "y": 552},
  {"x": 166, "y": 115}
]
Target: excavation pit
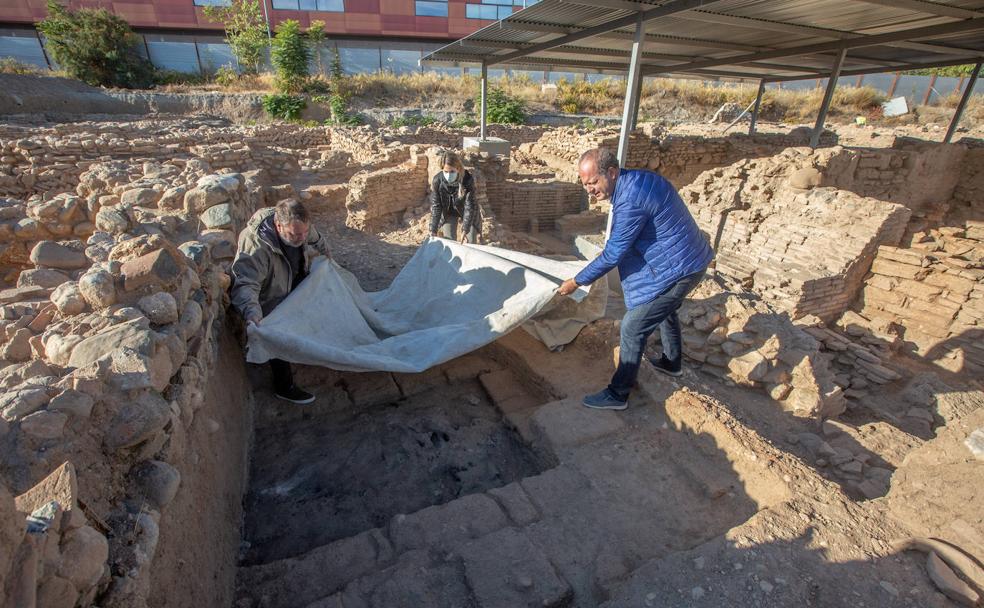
[{"x": 343, "y": 468}]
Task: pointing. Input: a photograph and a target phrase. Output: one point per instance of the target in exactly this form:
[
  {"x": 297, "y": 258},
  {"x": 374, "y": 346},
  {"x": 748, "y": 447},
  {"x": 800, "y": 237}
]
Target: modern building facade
[{"x": 370, "y": 35}]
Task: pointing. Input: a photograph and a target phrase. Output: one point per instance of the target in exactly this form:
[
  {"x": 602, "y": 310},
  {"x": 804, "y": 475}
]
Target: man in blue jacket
[{"x": 661, "y": 256}]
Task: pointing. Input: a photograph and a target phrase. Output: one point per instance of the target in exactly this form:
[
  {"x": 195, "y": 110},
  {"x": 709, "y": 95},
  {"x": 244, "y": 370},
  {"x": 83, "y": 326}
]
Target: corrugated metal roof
[{"x": 770, "y": 39}]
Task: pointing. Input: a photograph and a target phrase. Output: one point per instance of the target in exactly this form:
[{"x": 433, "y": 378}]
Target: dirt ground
[{"x": 702, "y": 493}]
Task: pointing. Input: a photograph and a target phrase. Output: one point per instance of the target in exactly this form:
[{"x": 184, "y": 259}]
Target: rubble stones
[
  {"x": 98, "y": 287},
  {"x": 50, "y": 254},
  {"x": 44, "y": 424},
  {"x": 42, "y": 277},
  {"x": 156, "y": 481},
  {"x": 17, "y": 403},
  {"x": 159, "y": 269},
  {"x": 132, "y": 335},
  {"x": 161, "y": 308},
  {"x": 72, "y": 402},
  {"x": 68, "y": 298},
  {"x": 112, "y": 220},
  {"x": 140, "y": 197},
  {"x": 219, "y": 216},
  {"x": 138, "y": 419},
  {"x": 84, "y": 554}
]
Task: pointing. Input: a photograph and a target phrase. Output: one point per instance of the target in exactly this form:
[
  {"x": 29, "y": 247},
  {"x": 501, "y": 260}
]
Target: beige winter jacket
[{"x": 261, "y": 274}]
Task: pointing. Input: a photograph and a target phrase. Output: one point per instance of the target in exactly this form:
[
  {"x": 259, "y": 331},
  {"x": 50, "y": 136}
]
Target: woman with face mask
[{"x": 453, "y": 201}]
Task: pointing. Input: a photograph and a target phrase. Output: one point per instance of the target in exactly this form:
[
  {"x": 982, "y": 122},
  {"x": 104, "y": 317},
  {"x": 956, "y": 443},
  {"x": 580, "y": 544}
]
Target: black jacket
[{"x": 445, "y": 202}]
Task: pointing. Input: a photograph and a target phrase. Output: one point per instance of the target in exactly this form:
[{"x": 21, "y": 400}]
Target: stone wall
[
  {"x": 377, "y": 198},
  {"x": 805, "y": 249},
  {"x": 679, "y": 158},
  {"x": 51, "y": 159},
  {"x": 108, "y": 342}
]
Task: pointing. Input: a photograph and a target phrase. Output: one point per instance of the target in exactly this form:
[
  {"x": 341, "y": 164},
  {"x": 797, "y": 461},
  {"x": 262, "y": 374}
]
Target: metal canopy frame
[{"x": 763, "y": 41}]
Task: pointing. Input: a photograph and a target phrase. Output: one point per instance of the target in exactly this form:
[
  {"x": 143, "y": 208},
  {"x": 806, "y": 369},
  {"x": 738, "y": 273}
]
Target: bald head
[{"x": 598, "y": 170}]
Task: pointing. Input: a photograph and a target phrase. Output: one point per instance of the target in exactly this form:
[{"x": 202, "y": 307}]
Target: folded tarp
[{"x": 449, "y": 300}]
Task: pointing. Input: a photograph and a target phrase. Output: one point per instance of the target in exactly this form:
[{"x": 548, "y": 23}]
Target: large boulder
[
  {"x": 132, "y": 334},
  {"x": 51, "y": 254},
  {"x": 137, "y": 420},
  {"x": 160, "y": 269}
]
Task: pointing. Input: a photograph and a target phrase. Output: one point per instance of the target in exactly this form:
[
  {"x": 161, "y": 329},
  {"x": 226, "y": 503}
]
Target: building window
[
  {"x": 330, "y": 6},
  {"x": 431, "y": 8},
  {"x": 213, "y": 2},
  {"x": 480, "y": 11},
  {"x": 487, "y": 11}
]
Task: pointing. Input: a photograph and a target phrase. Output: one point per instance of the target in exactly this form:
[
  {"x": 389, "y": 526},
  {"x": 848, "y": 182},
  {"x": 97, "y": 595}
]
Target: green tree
[
  {"x": 290, "y": 56},
  {"x": 94, "y": 46},
  {"x": 246, "y": 31},
  {"x": 336, "y": 64},
  {"x": 316, "y": 35}
]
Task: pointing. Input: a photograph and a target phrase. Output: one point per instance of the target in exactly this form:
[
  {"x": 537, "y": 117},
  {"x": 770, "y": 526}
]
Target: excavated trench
[{"x": 397, "y": 490}]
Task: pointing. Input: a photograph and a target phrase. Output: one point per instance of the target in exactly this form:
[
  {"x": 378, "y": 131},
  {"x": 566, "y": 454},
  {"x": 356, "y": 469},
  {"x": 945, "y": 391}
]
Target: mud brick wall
[
  {"x": 451, "y": 138},
  {"x": 937, "y": 298},
  {"x": 805, "y": 249},
  {"x": 918, "y": 175},
  {"x": 376, "y": 197},
  {"x": 967, "y": 202},
  {"x": 536, "y": 204}
]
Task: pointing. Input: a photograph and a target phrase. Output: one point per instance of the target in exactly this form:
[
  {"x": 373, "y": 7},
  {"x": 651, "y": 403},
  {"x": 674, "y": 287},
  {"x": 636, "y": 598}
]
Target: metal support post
[
  {"x": 485, "y": 87},
  {"x": 631, "y": 106},
  {"x": 828, "y": 95},
  {"x": 963, "y": 103},
  {"x": 755, "y": 110},
  {"x": 635, "y": 107},
  {"x": 630, "y": 109}
]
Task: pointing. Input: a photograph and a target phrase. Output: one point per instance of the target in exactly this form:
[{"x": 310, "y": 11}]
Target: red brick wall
[{"x": 361, "y": 17}]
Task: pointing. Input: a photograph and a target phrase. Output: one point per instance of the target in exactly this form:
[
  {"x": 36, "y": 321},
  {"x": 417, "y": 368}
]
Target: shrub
[
  {"x": 245, "y": 29},
  {"x": 9, "y": 65},
  {"x": 340, "y": 115},
  {"x": 336, "y": 64},
  {"x": 316, "y": 35},
  {"x": 171, "y": 77},
  {"x": 502, "y": 108},
  {"x": 94, "y": 46},
  {"x": 463, "y": 120},
  {"x": 290, "y": 56},
  {"x": 226, "y": 76},
  {"x": 317, "y": 85},
  {"x": 413, "y": 120},
  {"x": 284, "y": 107}
]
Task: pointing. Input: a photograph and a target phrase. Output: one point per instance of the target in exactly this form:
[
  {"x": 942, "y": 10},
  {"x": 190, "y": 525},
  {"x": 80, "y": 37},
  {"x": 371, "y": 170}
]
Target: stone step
[{"x": 326, "y": 570}]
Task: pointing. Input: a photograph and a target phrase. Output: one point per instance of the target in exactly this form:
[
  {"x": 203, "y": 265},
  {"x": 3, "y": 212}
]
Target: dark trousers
[
  {"x": 640, "y": 322},
  {"x": 283, "y": 378}
]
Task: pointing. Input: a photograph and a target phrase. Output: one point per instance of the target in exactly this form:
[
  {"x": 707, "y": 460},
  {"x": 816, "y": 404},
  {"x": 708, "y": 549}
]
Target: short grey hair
[
  {"x": 289, "y": 211},
  {"x": 603, "y": 158}
]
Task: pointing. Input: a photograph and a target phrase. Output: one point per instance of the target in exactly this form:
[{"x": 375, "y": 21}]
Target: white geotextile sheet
[{"x": 449, "y": 300}]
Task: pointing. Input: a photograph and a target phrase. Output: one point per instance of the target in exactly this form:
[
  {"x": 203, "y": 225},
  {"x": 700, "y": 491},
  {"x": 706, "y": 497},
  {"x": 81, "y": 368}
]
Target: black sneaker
[
  {"x": 663, "y": 365},
  {"x": 295, "y": 395}
]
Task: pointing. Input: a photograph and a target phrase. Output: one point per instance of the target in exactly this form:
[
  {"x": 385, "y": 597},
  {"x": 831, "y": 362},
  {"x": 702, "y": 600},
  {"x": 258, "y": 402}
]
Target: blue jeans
[{"x": 640, "y": 322}]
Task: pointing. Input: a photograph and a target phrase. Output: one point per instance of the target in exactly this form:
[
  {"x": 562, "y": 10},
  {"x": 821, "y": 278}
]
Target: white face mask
[{"x": 451, "y": 176}]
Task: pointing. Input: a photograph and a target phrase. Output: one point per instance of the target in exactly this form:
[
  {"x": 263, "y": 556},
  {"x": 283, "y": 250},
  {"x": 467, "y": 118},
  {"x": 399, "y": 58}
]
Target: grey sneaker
[
  {"x": 663, "y": 365},
  {"x": 605, "y": 400},
  {"x": 295, "y": 395}
]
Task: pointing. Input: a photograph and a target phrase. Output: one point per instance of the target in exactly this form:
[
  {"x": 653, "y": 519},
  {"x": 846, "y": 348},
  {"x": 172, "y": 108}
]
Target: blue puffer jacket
[{"x": 654, "y": 242}]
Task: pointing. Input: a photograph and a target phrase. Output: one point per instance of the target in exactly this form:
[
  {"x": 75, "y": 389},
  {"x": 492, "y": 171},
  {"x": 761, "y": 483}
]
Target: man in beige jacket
[{"x": 275, "y": 253}]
